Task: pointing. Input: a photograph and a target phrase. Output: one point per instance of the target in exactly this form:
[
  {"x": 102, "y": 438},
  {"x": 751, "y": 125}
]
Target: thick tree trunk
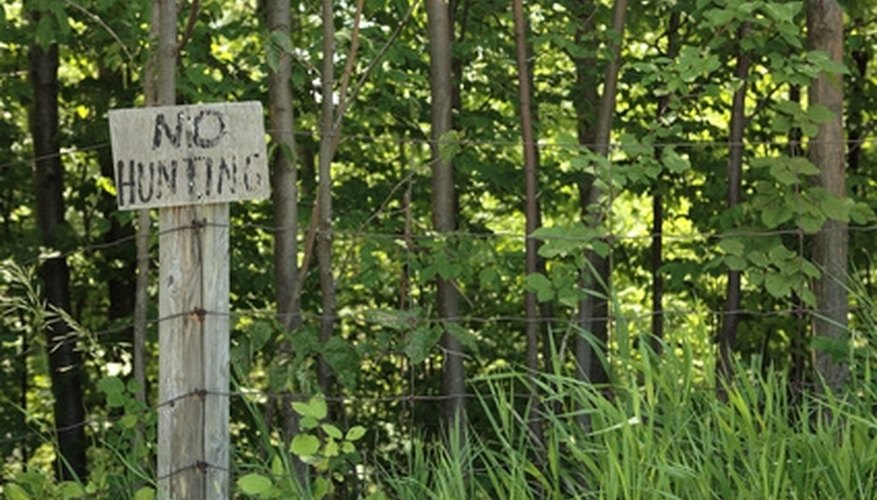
[
  {"x": 284, "y": 180},
  {"x": 830, "y": 246},
  {"x": 444, "y": 202},
  {"x": 594, "y": 310},
  {"x": 730, "y": 317},
  {"x": 64, "y": 359},
  {"x": 324, "y": 194},
  {"x": 531, "y": 209}
]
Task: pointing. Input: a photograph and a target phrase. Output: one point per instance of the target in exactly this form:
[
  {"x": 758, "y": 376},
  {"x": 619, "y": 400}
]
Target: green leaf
[
  {"x": 255, "y": 484},
  {"x": 145, "y": 493},
  {"x": 735, "y": 262},
  {"x": 355, "y": 433},
  {"x": 128, "y": 421},
  {"x": 777, "y": 285},
  {"x": 835, "y": 208},
  {"x": 308, "y": 423},
  {"x": 463, "y": 335},
  {"x": 733, "y": 246},
  {"x": 276, "y": 466},
  {"x": 420, "y": 342},
  {"x": 674, "y": 162},
  {"x": 15, "y": 492},
  {"x": 332, "y": 431},
  {"x": 331, "y": 449},
  {"x": 538, "y": 283},
  {"x": 820, "y": 114},
  {"x": 304, "y": 445},
  {"x": 315, "y": 408},
  {"x": 449, "y": 146}
]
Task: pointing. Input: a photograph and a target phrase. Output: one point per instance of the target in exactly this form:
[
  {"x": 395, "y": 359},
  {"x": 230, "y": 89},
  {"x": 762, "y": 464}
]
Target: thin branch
[
  {"x": 342, "y": 109},
  {"x": 351, "y": 56},
  {"x": 94, "y": 17},
  {"x": 190, "y": 25}
]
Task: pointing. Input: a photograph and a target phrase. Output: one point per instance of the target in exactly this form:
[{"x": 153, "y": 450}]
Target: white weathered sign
[{"x": 189, "y": 155}]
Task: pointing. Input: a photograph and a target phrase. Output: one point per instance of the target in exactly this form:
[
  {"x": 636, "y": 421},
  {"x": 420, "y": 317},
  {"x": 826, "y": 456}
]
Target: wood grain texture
[{"x": 193, "y": 351}]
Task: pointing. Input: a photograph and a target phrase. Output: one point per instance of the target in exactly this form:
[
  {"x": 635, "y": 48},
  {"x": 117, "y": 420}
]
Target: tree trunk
[
  {"x": 324, "y": 194},
  {"x": 284, "y": 183},
  {"x": 593, "y": 310},
  {"x": 825, "y": 33},
  {"x": 444, "y": 203},
  {"x": 730, "y": 317},
  {"x": 658, "y": 207},
  {"x": 531, "y": 210},
  {"x": 64, "y": 359}
]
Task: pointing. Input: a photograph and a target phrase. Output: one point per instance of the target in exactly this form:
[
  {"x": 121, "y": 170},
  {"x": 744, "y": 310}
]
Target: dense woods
[{"x": 517, "y": 249}]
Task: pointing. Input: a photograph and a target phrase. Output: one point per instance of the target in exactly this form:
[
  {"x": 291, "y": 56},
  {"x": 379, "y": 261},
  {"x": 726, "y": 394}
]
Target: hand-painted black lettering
[
  {"x": 209, "y": 177},
  {"x": 162, "y": 128},
  {"x": 229, "y": 173},
  {"x": 144, "y": 198},
  {"x": 208, "y": 135},
  {"x": 125, "y": 182},
  {"x": 167, "y": 178},
  {"x": 190, "y": 173}
]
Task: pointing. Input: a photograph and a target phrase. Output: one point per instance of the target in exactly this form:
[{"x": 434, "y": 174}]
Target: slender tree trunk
[
  {"x": 324, "y": 194},
  {"x": 658, "y": 207},
  {"x": 278, "y": 19},
  {"x": 825, "y": 33},
  {"x": 730, "y": 317},
  {"x": 594, "y": 310},
  {"x": 531, "y": 210},
  {"x": 799, "y": 351},
  {"x": 444, "y": 203},
  {"x": 64, "y": 359}
]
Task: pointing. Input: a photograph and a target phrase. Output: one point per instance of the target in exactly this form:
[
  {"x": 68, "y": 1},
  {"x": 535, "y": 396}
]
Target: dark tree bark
[
  {"x": 594, "y": 310},
  {"x": 284, "y": 191},
  {"x": 64, "y": 359},
  {"x": 444, "y": 203},
  {"x": 324, "y": 194},
  {"x": 730, "y": 318},
  {"x": 830, "y": 246},
  {"x": 657, "y": 250},
  {"x": 531, "y": 209}
]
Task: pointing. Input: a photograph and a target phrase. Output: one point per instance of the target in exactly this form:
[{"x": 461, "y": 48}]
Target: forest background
[{"x": 547, "y": 249}]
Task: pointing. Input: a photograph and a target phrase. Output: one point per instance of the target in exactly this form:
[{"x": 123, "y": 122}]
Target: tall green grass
[{"x": 661, "y": 432}]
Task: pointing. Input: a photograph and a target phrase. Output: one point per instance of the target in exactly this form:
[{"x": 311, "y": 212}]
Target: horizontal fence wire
[
  {"x": 366, "y": 315},
  {"x": 542, "y": 143}
]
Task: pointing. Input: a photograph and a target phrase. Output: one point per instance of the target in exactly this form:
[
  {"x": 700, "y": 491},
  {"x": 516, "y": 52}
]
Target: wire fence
[{"x": 364, "y": 315}]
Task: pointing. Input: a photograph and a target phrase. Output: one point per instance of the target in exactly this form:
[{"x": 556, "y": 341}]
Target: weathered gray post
[{"x": 191, "y": 161}]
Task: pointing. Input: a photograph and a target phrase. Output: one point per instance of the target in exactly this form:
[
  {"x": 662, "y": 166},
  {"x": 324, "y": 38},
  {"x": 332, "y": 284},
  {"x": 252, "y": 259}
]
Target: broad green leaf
[
  {"x": 304, "y": 445},
  {"x": 735, "y": 263},
  {"x": 315, "y": 408},
  {"x": 777, "y": 285},
  {"x": 820, "y": 114},
  {"x": 254, "y": 484},
  {"x": 420, "y": 343},
  {"x": 674, "y": 162},
  {"x": 355, "y": 433},
  {"x": 332, "y": 431},
  {"x": 835, "y": 208},
  {"x": 71, "y": 489},
  {"x": 276, "y": 466},
  {"x": 145, "y": 493},
  {"x": 542, "y": 286},
  {"x": 331, "y": 449},
  {"x": 449, "y": 145},
  {"x": 15, "y": 492},
  {"x": 463, "y": 335},
  {"x": 733, "y": 246}
]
